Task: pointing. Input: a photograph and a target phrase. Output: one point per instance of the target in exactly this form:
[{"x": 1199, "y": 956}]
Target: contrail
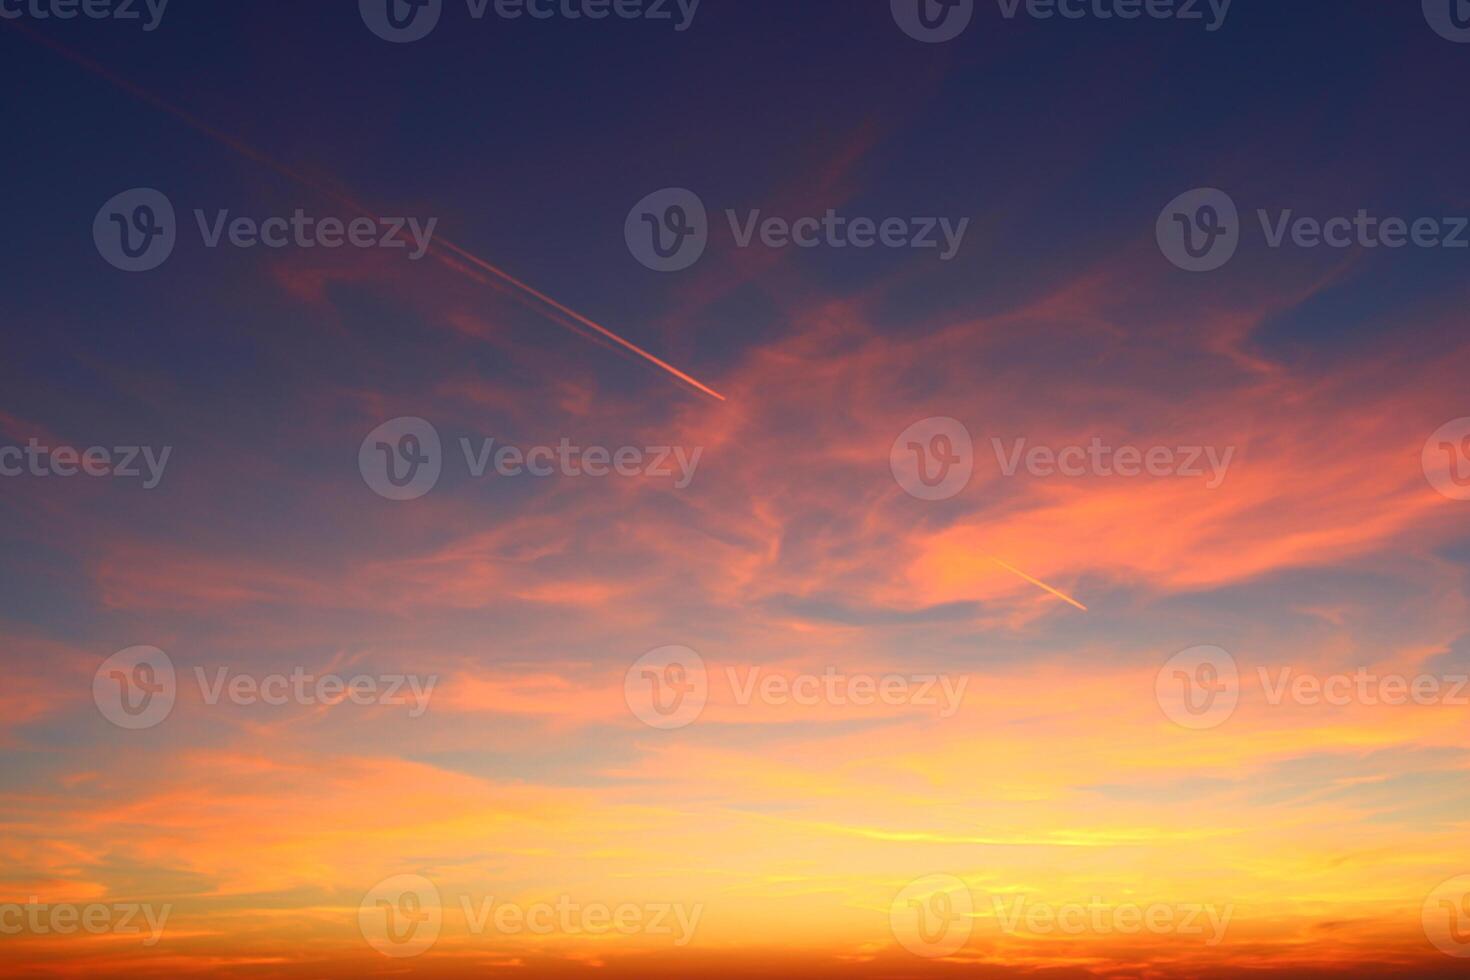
[
  {"x": 1040, "y": 584},
  {"x": 523, "y": 292}
]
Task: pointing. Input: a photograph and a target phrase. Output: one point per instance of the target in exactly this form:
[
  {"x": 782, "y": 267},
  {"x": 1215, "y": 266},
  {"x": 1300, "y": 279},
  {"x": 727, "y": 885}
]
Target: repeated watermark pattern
[
  {"x": 1200, "y": 687},
  {"x": 137, "y": 231},
  {"x": 1200, "y": 230},
  {"x": 37, "y": 918},
  {"x": 669, "y": 230},
  {"x": 144, "y": 463},
  {"x": 403, "y": 916},
  {"x": 937, "y": 21},
  {"x": 137, "y": 688},
  {"x": 668, "y": 688},
  {"x": 403, "y": 458},
  {"x": 145, "y": 13},
  {"x": 405, "y": 21}
]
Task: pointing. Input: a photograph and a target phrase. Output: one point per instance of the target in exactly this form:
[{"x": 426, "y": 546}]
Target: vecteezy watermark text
[
  {"x": 405, "y": 21},
  {"x": 39, "y": 918},
  {"x": 403, "y": 916},
  {"x": 1098, "y": 459},
  {"x": 934, "y": 916},
  {"x": 669, "y": 230},
  {"x": 403, "y": 458},
  {"x": 840, "y": 689},
  {"x": 121, "y": 462},
  {"x": 300, "y": 687},
  {"x": 567, "y": 459},
  {"x": 1211, "y": 13},
  {"x": 934, "y": 459},
  {"x": 936, "y": 21},
  {"x": 1363, "y": 686},
  {"x": 136, "y": 688},
  {"x": 149, "y": 12},
  {"x": 1200, "y": 687},
  {"x": 1200, "y": 230},
  {"x": 668, "y": 688},
  {"x": 1020, "y": 915},
  {"x": 137, "y": 230}
]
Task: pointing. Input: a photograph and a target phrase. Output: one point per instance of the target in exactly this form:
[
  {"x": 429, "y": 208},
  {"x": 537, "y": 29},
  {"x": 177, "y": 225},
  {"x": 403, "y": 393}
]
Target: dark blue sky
[{"x": 531, "y": 139}]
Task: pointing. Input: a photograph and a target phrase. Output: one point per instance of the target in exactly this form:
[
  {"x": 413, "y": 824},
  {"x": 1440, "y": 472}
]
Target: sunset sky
[{"x": 932, "y": 730}]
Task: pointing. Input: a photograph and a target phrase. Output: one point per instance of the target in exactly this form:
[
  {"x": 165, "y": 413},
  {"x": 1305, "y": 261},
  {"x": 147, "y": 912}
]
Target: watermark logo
[
  {"x": 933, "y": 21},
  {"x": 123, "y": 10},
  {"x": 136, "y": 231},
  {"x": 135, "y": 688},
  {"x": 667, "y": 688},
  {"x": 1449, "y": 18},
  {"x": 1446, "y": 459},
  {"x": 401, "y": 459},
  {"x": 1199, "y": 688},
  {"x": 933, "y": 916},
  {"x": 404, "y": 21},
  {"x": 401, "y": 916},
  {"x": 401, "y": 21},
  {"x": 1446, "y": 917},
  {"x": 668, "y": 230},
  {"x": 933, "y": 459},
  {"x": 1199, "y": 230}
]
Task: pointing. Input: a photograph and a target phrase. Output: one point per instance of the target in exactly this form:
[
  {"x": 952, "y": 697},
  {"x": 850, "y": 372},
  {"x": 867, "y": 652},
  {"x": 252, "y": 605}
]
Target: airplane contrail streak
[
  {"x": 1038, "y": 583},
  {"x": 526, "y": 292}
]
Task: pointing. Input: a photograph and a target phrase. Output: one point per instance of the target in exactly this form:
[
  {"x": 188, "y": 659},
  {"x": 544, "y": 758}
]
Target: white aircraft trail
[{"x": 526, "y": 294}]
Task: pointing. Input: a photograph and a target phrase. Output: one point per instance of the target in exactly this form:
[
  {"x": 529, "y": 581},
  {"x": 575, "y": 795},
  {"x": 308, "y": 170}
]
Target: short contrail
[
  {"x": 521, "y": 290},
  {"x": 1040, "y": 584}
]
